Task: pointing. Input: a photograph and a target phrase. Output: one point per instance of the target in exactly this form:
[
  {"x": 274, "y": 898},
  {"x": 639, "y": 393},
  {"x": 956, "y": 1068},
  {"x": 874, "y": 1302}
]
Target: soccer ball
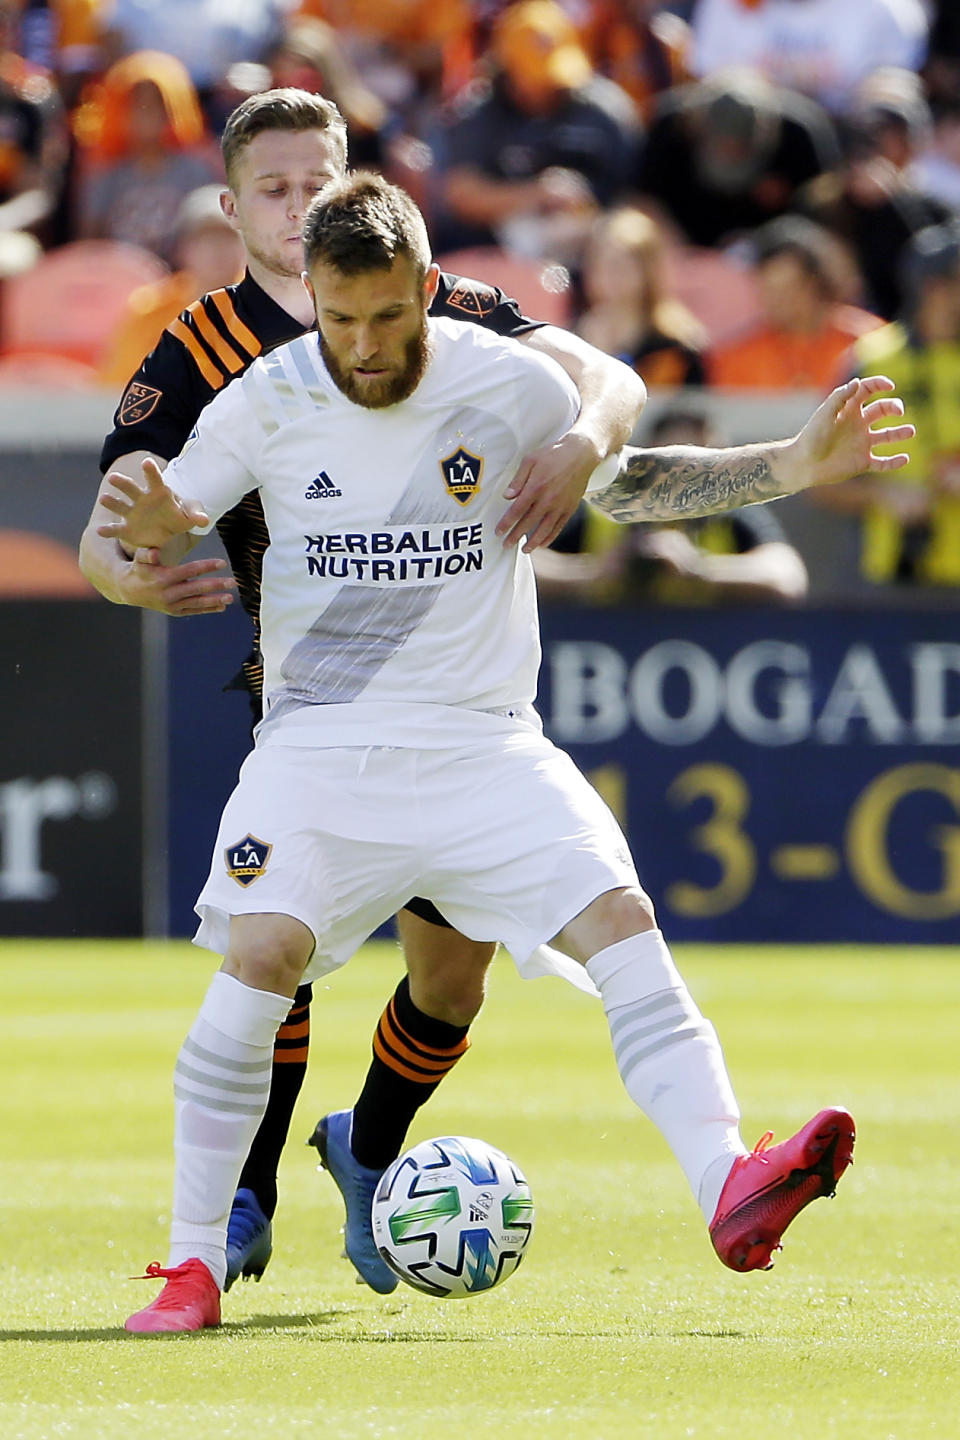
[{"x": 452, "y": 1216}]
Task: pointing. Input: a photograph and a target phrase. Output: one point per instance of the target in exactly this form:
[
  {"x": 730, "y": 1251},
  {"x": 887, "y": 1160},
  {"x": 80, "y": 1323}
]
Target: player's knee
[
  {"x": 270, "y": 954},
  {"x": 612, "y": 917},
  {"x": 622, "y": 913}
]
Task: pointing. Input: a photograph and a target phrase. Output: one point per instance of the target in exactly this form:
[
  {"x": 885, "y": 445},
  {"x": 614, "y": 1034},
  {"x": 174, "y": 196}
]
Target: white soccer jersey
[{"x": 386, "y": 593}]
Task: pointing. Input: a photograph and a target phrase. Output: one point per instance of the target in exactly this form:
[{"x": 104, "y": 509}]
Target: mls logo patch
[
  {"x": 473, "y": 298},
  {"x": 138, "y": 402},
  {"x": 461, "y": 474},
  {"x": 247, "y": 860}
]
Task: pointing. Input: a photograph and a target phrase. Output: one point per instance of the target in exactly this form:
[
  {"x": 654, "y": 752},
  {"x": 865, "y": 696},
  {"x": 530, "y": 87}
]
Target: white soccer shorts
[{"x": 504, "y": 835}]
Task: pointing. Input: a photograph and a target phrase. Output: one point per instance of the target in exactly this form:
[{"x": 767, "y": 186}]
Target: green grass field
[{"x": 620, "y": 1322}]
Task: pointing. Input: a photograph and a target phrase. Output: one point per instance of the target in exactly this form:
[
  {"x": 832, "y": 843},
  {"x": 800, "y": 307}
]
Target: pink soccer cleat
[
  {"x": 190, "y": 1300},
  {"x": 768, "y": 1188}
]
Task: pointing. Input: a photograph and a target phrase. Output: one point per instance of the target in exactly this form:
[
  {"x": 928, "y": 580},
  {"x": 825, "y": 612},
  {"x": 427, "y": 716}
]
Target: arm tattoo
[{"x": 684, "y": 483}]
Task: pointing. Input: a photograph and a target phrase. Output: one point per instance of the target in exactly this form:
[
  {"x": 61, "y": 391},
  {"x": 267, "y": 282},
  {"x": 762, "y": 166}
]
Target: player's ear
[
  {"x": 430, "y": 282},
  {"x": 308, "y": 286}
]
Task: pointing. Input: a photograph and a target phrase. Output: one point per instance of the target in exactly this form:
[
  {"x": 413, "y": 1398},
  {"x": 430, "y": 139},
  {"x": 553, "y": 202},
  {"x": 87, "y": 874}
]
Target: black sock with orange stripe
[
  {"x": 412, "y": 1053},
  {"x": 290, "y": 1050}
]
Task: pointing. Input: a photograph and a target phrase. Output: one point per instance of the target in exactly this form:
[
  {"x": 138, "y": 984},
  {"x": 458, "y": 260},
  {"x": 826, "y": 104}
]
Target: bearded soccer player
[
  {"x": 400, "y": 660},
  {"x": 280, "y": 148}
]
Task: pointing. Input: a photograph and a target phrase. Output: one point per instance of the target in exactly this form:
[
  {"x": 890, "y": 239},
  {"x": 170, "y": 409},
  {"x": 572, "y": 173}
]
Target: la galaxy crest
[
  {"x": 461, "y": 474},
  {"x": 247, "y": 859}
]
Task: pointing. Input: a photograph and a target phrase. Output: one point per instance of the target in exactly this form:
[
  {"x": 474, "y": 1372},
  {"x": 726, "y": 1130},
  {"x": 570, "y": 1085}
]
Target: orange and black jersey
[{"x": 212, "y": 341}]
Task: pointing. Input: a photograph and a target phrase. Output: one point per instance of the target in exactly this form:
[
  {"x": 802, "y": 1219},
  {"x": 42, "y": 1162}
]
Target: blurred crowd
[{"x": 760, "y": 195}]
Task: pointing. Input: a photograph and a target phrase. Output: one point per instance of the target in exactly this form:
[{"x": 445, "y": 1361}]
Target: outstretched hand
[
  {"x": 838, "y": 440},
  {"x": 150, "y": 515}
]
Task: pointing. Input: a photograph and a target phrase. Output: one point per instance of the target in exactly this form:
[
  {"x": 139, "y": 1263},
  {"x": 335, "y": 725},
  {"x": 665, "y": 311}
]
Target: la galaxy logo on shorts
[
  {"x": 138, "y": 402},
  {"x": 247, "y": 860},
  {"x": 461, "y": 474}
]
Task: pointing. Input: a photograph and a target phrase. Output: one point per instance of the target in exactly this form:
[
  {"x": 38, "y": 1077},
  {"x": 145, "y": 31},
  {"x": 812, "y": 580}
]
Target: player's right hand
[{"x": 197, "y": 587}]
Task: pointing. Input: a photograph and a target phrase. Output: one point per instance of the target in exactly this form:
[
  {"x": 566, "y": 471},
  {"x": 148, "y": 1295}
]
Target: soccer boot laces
[{"x": 190, "y": 1300}]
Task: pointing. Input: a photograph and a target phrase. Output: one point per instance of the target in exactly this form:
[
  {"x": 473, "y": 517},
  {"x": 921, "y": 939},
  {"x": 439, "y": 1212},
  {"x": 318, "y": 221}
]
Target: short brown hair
[
  {"x": 362, "y": 222},
  {"x": 281, "y": 109}
]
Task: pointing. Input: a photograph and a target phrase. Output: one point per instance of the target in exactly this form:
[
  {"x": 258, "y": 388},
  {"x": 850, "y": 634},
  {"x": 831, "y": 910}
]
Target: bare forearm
[
  {"x": 772, "y": 571},
  {"x": 480, "y": 200},
  {"x": 126, "y": 577},
  {"x": 105, "y": 562},
  {"x": 102, "y": 561},
  {"x": 562, "y": 576},
  {"x": 612, "y": 396},
  {"x": 686, "y": 481},
  {"x": 835, "y": 445}
]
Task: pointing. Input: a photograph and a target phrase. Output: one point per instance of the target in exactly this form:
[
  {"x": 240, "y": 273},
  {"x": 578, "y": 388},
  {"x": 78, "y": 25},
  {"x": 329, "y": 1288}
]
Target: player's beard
[{"x": 378, "y": 394}]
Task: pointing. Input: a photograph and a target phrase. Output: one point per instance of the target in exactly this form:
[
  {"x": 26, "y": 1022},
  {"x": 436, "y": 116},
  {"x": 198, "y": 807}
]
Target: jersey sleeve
[
  {"x": 160, "y": 405},
  {"x": 198, "y": 354},
  {"x": 546, "y": 399},
  {"x": 217, "y": 466},
  {"x": 458, "y": 298}
]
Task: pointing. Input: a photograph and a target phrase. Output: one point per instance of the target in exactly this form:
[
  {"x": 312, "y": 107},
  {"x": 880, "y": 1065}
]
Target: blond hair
[
  {"x": 643, "y": 239},
  {"x": 281, "y": 109}
]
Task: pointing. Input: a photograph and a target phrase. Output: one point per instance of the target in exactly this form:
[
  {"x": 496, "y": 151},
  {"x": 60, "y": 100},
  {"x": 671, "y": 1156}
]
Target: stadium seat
[
  {"x": 720, "y": 292},
  {"x": 29, "y": 368},
  {"x": 540, "y": 287},
  {"x": 34, "y": 565},
  {"x": 70, "y": 302}
]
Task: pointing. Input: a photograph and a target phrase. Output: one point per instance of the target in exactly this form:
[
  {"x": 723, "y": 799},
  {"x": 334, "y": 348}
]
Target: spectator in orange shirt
[
  {"x": 806, "y": 330},
  {"x": 630, "y": 312}
]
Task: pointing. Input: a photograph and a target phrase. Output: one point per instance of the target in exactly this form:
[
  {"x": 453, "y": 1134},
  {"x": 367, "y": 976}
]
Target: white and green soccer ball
[{"x": 452, "y": 1216}]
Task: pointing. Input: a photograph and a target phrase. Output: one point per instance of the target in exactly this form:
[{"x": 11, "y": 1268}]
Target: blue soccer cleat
[
  {"x": 356, "y": 1184},
  {"x": 249, "y": 1239}
]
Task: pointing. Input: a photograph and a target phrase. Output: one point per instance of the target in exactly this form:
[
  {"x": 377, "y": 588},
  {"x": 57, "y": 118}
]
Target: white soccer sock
[
  {"x": 221, "y": 1085},
  {"x": 670, "y": 1060}
]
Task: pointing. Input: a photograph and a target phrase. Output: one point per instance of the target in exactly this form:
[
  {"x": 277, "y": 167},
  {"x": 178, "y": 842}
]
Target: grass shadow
[{"x": 117, "y": 1332}]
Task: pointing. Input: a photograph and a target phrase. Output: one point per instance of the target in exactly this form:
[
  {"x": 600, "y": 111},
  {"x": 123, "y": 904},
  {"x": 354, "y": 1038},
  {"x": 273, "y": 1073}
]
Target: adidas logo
[
  {"x": 480, "y": 1206},
  {"x": 322, "y": 488}
]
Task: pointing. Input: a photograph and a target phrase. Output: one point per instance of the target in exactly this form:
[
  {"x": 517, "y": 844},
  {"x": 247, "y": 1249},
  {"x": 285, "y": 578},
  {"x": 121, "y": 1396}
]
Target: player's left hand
[
  {"x": 838, "y": 441},
  {"x": 546, "y": 491}
]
